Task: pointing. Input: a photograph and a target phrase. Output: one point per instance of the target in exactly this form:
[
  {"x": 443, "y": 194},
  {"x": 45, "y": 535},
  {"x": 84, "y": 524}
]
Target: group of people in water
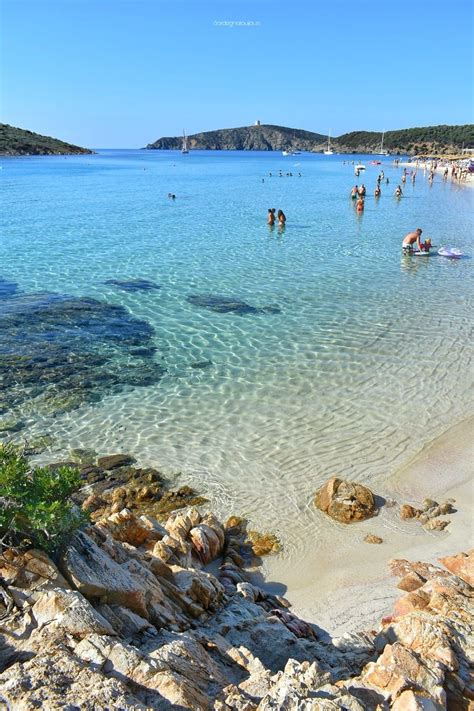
[{"x": 281, "y": 217}]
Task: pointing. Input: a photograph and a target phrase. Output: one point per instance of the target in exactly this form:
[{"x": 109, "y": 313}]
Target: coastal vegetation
[
  {"x": 36, "y": 508},
  {"x": 20, "y": 142},
  {"x": 429, "y": 139}
]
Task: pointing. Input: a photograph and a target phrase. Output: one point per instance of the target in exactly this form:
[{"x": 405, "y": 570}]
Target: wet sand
[{"x": 345, "y": 585}]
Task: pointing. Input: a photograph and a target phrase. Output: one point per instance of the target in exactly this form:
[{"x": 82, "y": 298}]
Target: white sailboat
[
  {"x": 185, "y": 149},
  {"x": 329, "y": 151},
  {"x": 382, "y": 152}
]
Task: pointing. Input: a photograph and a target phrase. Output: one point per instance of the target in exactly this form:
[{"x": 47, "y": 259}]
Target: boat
[
  {"x": 359, "y": 167},
  {"x": 185, "y": 149},
  {"x": 329, "y": 151},
  {"x": 291, "y": 153},
  {"x": 381, "y": 151}
]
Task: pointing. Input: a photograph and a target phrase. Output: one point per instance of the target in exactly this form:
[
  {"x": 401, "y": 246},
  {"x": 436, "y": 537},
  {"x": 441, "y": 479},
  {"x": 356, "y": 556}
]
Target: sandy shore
[
  {"x": 468, "y": 182},
  {"x": 345, "y": 585}
]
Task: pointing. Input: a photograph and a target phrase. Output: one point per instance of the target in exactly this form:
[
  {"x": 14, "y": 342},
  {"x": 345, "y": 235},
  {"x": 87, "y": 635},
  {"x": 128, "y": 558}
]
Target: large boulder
[
  {"x": 345, "y": 501},
  {"x": 97, "y": 576}
]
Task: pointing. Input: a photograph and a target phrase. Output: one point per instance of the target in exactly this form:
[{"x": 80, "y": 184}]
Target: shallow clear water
[{"x": 368, "y": 359}]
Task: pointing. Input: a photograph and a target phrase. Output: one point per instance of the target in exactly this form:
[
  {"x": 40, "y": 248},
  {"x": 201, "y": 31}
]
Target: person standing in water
[
  {"x": 271, "y": 216},
  {"x": 410, "y": 240},
  {"x": 377, "y": 192},
  {"x": 360, "y": 204},
  {"x": 281, "y": 218}
]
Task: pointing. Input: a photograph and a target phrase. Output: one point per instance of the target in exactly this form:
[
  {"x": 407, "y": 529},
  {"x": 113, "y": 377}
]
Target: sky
[{"x": 122, "y": 73}]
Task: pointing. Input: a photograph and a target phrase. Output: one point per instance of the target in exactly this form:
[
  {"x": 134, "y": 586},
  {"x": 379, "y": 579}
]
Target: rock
[
  {"x": 128, "y": 528},
  {"x": 225, "y": 305},
  {"x": 413, "y": 701},
  {"x": 30, "y": 570},
  {"x": 429, "y": 504},
  {"x": 371, "y": 538},
  {"x": 133, "y": 284},
  {"x": 461, "y": 565},
  {"x": 113, "y": 461},
  {"x": 345, "y": 501},
  {"x": 407, "y": 512},
  {"x": 411, "y": 581},
  {"x": 97, "y": 576},
  {"x": 70, "y": 611},
  {"x": 263, "y": 543},
  {"x": 435, "y": 524}
]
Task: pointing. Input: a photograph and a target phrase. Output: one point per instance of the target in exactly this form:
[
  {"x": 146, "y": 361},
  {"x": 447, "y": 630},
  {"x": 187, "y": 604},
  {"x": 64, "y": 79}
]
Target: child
[{"x": 426, "y": 245}]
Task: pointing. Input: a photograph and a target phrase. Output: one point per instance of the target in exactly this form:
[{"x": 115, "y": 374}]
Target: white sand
[{"x": 345, "y": 584}]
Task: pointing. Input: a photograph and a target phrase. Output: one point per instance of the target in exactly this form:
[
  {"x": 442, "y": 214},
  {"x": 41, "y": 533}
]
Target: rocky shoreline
[{"x": 151, "y": 606}]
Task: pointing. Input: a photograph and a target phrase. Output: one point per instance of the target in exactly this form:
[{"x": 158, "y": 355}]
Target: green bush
[{"x": 35, "y": 502}]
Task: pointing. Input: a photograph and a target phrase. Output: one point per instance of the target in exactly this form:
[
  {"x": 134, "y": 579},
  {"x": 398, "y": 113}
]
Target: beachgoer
[
  {"x": 413, "y": 178},
  {"x": 410, "y": 239},
  {"x": 378, "y": 192},
  {"x": 426, "y": 245},
  {"x": 398, "y": 191},
  {"x": 387, "y": 181},
  {"x": 281, "y": 218},
  {"x": 271, "y": 216},
  {"x": 354, "y": 192},
  {"x": 404, "y": 178},
  {"x": 360, "y": 204},
  {"x": 362, "y": 190}
]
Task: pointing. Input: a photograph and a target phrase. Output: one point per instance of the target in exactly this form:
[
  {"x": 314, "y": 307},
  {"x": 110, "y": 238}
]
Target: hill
[
  {"x": 19, "y": 142},
  {"x": 430, "y": 139},
  {"x": 248, "y": 138}
]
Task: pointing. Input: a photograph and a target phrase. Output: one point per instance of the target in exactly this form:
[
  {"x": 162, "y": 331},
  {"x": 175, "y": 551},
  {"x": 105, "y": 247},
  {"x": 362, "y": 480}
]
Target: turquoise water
[{"x": 368, "y": 359}]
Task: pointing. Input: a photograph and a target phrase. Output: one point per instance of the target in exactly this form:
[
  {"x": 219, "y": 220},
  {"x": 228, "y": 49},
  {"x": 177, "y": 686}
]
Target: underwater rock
[
  {"x": 7, "y": 288},
  {"x": 263, "y": 543},
  {"x": 133, "y": 284},
  {"x": 200, "y": 365},
  {"x": 112, "y": 461},
  {"x": 226, "y": 305},
  {"x": 58, "y": 352}
]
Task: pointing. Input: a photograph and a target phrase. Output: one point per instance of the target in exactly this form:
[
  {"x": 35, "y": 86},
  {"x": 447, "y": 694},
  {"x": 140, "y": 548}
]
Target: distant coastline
[{"x": 439, "y": 140}]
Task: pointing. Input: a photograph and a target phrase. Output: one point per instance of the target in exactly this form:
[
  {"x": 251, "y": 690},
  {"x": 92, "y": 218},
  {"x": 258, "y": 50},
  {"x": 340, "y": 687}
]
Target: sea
[{"x": 257, "y": 361}]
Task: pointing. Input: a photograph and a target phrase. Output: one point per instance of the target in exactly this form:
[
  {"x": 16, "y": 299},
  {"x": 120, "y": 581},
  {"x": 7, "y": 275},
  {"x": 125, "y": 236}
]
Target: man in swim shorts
[{"x": 410, "y": 239}]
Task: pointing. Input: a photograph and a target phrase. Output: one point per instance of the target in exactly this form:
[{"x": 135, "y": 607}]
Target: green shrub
[{"x": 35, "y": 504}]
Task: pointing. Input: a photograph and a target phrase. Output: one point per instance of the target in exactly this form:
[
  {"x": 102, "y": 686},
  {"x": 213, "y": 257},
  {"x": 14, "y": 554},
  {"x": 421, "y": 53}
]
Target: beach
[
  {"x": 252, "y": 364},
  {"x": 344, "y": 584}
]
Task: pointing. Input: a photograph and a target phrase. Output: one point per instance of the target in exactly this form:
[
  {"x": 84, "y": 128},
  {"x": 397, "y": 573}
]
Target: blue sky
[{"x": 122, "y": 73}]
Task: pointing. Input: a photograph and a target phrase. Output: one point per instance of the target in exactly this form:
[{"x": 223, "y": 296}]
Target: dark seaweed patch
[
  {"x": 133, "y": 284},
  {"x": 226, "y": 304},
  {"x": 58, "y": 352}
]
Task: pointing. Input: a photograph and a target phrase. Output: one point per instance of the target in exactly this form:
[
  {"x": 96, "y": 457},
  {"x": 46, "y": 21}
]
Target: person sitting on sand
[
  {"x": 378, "y": 192},
  {"x": 360, "y": 204},
  {"x": 281, "y": 218},
  {"x": 271, "y": 216},
  {"x": 354, "y": 193},
  {"x": 410, "y": 239},
  {"x": 398, "y": 191}
]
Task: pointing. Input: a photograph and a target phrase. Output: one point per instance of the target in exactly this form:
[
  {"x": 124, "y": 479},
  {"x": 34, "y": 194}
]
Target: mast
[
  {"x": 381, "y": 145},
  {"x": 185, "y": 143},
  {"x": 329, "y": 140}
]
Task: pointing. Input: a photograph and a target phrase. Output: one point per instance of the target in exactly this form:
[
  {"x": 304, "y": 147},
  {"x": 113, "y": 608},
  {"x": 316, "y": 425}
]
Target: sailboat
[
  {"x": 185, "y": 149},
  {"x": 329, "y": 152},
  {"x": 382, "y": 152}
]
